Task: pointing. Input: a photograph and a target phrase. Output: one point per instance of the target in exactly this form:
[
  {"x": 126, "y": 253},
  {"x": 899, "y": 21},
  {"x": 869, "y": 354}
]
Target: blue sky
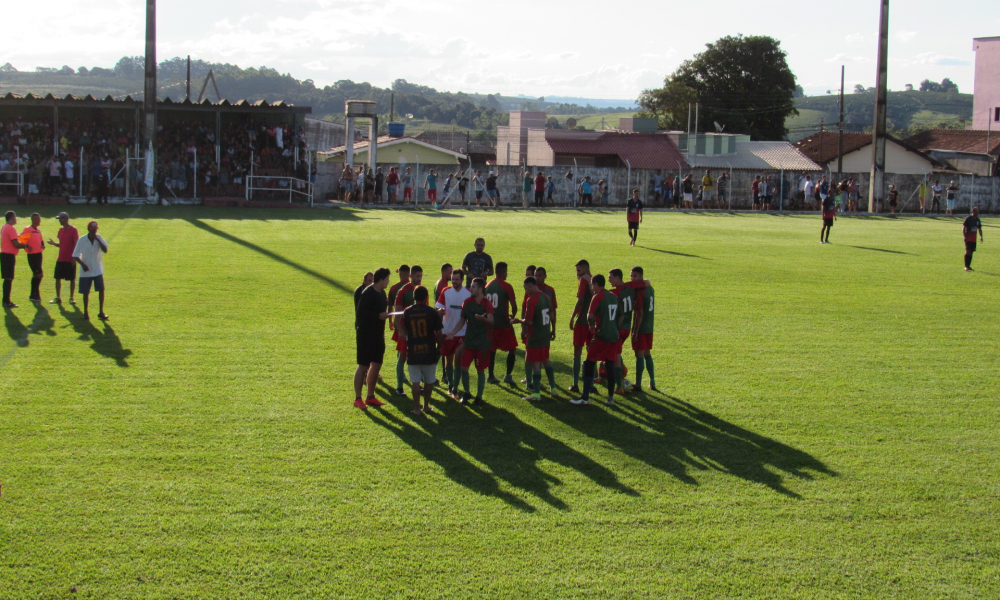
[{"x": 584, "y": 48}]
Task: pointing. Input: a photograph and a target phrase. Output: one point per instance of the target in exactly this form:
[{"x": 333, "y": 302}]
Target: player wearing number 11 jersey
[
  {"x": 536, "y": 331},
  {"x": 602, "y": 318}
]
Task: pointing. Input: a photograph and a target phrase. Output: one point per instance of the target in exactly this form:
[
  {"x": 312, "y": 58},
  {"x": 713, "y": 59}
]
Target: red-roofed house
[
  {"x": 900, "y": 158},
  {"x": 967, "y": 150},
  {"x": 557, "y": 147}
]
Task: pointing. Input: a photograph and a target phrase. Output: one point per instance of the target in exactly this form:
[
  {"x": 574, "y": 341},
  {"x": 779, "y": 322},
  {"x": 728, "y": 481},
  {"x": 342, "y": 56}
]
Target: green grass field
[{"x": 826, "y": 425}]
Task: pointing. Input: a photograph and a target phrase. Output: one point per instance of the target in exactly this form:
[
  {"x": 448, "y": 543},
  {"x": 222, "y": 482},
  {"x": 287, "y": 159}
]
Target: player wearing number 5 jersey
[
  {"x": 536, "y": 331},
  {"x": 642, "y": 331},
  {"x": 602, "y": 318},
  {"x": 501, "y": 295}
]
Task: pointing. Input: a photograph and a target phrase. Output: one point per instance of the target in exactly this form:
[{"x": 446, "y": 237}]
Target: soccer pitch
[{"x": 826, "y": 425}]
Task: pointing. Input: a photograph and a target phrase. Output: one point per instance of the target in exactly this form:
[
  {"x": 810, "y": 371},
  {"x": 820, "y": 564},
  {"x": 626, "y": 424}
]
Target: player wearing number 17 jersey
[
  {"x": 626, "y": 305},
  {"x": 501, "y": 296},
  {"x": 642, "y": 331},
  {"x": 603, "y": 320},
  {"x": 536, "y": 331}
]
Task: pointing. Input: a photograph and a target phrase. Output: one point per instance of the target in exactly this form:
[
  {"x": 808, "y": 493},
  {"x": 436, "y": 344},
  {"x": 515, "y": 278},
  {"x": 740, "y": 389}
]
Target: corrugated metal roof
[
  {"x": 758, "y": 156},
  {"x": 640, "y": 150}
]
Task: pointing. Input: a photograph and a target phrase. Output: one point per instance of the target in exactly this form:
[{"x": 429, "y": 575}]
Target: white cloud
[
  {"x": 315, "y": 65},
  {"x": 905, "y": 36},
  {"x": 854, "y": 38},
  {"x": 842, "y": 58}
]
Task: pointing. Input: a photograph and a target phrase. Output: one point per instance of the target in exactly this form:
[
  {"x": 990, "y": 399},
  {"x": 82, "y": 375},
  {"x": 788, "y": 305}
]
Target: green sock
[
  {"x": 640, "y": 364},
  {"x": 576, "y": 370},
  {"x": 649, "y": 367},
  {"x": 551, "y": 374},
  {"x": 618, "y": 376},
  {"x": 536, "y": 377},
  {"x": 511, "y": 359},
  {"x": 480, "y": 384},
  {"x": 400, "y": 372},
  {"x": 465, "y": 381}
]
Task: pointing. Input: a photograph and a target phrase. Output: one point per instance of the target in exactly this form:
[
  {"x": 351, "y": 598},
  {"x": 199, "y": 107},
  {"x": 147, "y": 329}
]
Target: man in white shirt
[
  {"x": 68, "y": 171},
  {"x": 449, "y": 304},
  {"x": 89, "y": 253}
]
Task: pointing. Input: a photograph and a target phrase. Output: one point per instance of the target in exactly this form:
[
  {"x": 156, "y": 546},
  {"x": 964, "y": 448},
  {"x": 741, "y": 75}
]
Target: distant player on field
[
  {"x": 536, "y": 326},
  {"x": 969, "y": 228},
  {"x": 633, "y": 212},
  {"x": 642, "y": 330},
  {"x": 449, "y": 305},
  {"x": 476, "y": 319},
  {"x": 602, "y": 319},
  {"x": 578, "y": 320},
  {"x": 501, "y": 295},
  {"x": 829, "y": 216},
  {"x": 422, "y": 331}
]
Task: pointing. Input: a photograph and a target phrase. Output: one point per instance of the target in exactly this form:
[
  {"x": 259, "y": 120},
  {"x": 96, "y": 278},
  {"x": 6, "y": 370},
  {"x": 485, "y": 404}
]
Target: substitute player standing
[
  {"x": 602, "y": 319},
  {"x": 578, "y": 320},
  {"x": 371, "y": 315},
  {"x": 476, "y": 319},
  {"x": 536, "y": 326},
  {"x": 501, "y": 296},
  {"x": 35, "y": 247},
  {"x": 642, "y": 330},
  {"x": 449, "y": 305},
  {"x": 633, "y": 212},
  {"x": 66, "y": 266},
  {"x": 969, "y": 228},
  {"x": 421, "y": 328},
  {"x": 404, "y": 299}
]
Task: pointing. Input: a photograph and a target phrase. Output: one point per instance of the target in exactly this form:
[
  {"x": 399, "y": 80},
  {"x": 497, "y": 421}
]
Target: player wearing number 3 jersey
[
  {"x": 501, "y": 295},
  {"x": 642, "y": 331},
  {"x": 536, "y": 331}
]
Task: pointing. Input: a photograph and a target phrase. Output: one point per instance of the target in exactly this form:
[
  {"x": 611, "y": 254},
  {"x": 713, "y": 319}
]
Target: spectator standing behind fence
[
  {"x": 936, "y": 197},
  {"x": 492, "y": 193},
  {"x": 379, "y": 183},
  {"x": 391, "y": 181},
  {"x": 479, "y": 186},
  {"x": 707, "y": 188},
  {"x": 893, "y": 198},
  {"x": 347, "y": 182},
  {"x": 922, "y": 194},
  {"x": 550, "y": 189},
  {"x": 539, "y": 189},
  {"x": 407, "y": 182},
  {"x": 853, "y": 190},
  {"x": 463, "y": 185},
  {"x": 687, "y": 187},
  {"x": 952, "y": 197},
  {"x": 571, "y": 188},
  {"x": 755, "y": 191},
  {"x": 586, "y": 192},
  {"x": 430, "y": 186},
  {"x": 722, "y": 193}
]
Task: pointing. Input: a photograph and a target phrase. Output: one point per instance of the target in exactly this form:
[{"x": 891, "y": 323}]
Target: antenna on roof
[
  {"x": 719, "y": 128},
  {"x": 205, "y": 85}
]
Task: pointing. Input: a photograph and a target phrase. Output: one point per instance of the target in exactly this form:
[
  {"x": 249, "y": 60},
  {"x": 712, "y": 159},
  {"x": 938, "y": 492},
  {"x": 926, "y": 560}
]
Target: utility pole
[
  {"x": 149, "y": 93},
  {"x": 876, "y": 190},
  {"x": 189, "y": 79},
  {"x": 840, "y": 126}
]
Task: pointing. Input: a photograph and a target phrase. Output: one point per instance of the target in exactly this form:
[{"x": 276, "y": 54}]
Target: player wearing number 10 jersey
[
  {"x": 536, "y": 331},
  {"x": 603, "y": 320},
  {"x": 642, "y": 331},
  {"x": 501, "y": 295}
]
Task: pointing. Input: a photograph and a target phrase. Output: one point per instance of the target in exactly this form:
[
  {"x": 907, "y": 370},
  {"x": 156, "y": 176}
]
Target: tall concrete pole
[
  {"x": 876, "y": 191},
  {"x": 840, "y": 126},
  {"x": 149, "y": 94}
]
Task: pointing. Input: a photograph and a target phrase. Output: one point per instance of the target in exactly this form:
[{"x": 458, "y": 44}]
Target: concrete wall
[
  {"x": 897, "y": 160},
  {"x": 986, "y": 97}
]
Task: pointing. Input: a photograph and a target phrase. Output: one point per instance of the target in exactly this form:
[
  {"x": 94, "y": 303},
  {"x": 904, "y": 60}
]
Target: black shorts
[
  {"x": 371, "y": 348},
  {"x": 892, "y": 203},
  {"x": 633, "y": 224},
  {"x": 970, "y": 247},
  {"x": 7, "y": 262},
  {"x": 65, "y": 270},
  {"x": 35, "y": 263},
  {"x": 827, "y": 222}
]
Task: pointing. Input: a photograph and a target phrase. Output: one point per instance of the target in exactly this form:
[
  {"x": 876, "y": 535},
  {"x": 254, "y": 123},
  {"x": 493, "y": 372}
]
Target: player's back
[{"x": 421, "y": 323}]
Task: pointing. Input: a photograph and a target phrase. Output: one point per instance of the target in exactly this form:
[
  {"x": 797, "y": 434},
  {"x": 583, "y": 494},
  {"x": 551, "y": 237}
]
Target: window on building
[{"x": 996, "y": 114}]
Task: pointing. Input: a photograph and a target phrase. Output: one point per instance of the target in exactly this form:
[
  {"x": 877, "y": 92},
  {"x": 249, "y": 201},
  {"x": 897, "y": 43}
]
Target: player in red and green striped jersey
[
  {"x": 501, "y": 295},
  {"x": 404, "y": 280},
  {"x": 444, "y": 282},
  {"x": 536, "y": 331},
  {"x": 602, "y": 318},
  {"x": 578, "y": 320},
  {"x": 642, "y": 331},
  {"x": 477, "y": 315}
]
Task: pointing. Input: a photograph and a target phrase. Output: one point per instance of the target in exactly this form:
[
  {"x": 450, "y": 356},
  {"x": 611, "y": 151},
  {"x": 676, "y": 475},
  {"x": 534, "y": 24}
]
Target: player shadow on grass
[
  {"x": 106, "y": 343},
  {"x": 675, "y": 436},
  {"x": 272, "y": 255},
  {"x": 673, "y": 253},
  {"x": 881, "y": 250},
  {"x": 17, "y": 330},
  {"x": 500, "y": 448}
]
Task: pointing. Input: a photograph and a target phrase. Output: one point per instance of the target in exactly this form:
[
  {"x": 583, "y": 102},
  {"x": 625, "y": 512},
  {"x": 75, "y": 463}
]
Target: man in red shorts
[
  {"x": 578, "y": 321},
  {"x": 404, "y": 280},
  {"x": 536, "y": 326},
  {"x": 602, "y": 318},
  {"x": 625, "y": 292},
  {"x": 548, "y": 290},
  {"x": 449, "y": 304},
  {"x": 476, "y": 319},
  {"x": 642, "y": 330},
  {"x": 501, "y": 296}
]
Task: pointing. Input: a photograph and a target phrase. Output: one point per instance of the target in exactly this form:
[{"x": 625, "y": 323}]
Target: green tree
[
  {"x": 929, "y": 86},
  {"x": 744, "y": 83},
  {"x": 947, "y": 85},
  {"x": 668, "y": 104}
]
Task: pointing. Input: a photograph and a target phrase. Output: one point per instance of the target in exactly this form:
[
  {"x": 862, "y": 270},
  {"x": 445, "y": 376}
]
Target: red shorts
[
  {"x": 504, "y": 339},
  {"x": 598, "y": 351},
  {"x": 537, "y": 355},
  {"x": 432, "y": 194},
  {"x": 400, "y": 345},
  {"x": 622, "y": 336},
  {"x": 642, "y": 341},
  {"x": 581, "y": 335},
  {"x": 407, "y": 193},
  {"x": 482, "y": 358},
  {"x": 449, "y": 347}
]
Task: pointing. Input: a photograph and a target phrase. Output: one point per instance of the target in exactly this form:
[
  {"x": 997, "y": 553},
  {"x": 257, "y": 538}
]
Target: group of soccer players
[{"x": 472, "y": 320}]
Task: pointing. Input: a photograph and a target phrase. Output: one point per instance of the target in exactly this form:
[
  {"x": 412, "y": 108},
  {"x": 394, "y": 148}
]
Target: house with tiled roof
[
  {"x": 900, "y": 157},
  {"x": 966, "y": 150},
  {"x": 560, "y": 147}
]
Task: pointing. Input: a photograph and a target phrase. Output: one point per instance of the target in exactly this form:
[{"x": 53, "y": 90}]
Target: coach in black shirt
[
  {"x": 369, "y": 276},
  {"x": 370, "y": 317},
  {"x": 478, "y": 263}
]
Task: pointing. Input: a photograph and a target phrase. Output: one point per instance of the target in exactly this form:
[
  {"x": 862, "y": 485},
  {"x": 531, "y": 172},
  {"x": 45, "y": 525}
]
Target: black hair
[
  {"x": 403, "y": 269},
  {"x": 598, "y": 280},
  {"x": 530, "y": 268},
  {"x": 616, "y": 273},
  {"x": 8, "y": 216},
  {"x": 501, "y": 267},
  {"x": 637, "y": 270},
  {"x": 530, "y": 281},
  {"x": 542, "y": 269},
  {"x": 420, "y": 294},
  {"x": 583, "y": 263},
  {"x": 416, "y": 269},
  {"x": 458, "y": 272},
  {"x": 445, "y": 267},
  {"x": 480, "y": 282},
  {"x": 381, "y": 273}
]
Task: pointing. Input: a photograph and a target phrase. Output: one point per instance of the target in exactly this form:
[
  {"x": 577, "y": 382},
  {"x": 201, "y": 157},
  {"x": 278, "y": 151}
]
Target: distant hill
[{"x": 907, "y": 112}]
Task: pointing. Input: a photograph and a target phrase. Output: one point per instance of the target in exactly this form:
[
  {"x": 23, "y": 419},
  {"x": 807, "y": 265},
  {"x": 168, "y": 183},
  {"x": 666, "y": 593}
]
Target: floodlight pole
[
  {"x": 149, "y": 93},
  {"x": 840, "y": 126},
  {"x": 876, "y": 190}
]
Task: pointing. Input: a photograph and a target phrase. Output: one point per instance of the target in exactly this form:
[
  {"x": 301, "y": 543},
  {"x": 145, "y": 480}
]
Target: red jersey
[
  {"x": 392, "y": 179},
  {"x": 549, "y": 291},
  {"x": 68, "y": 237},
  {"x": 441, "y": 286},
  {"x": 391, "y": 297}
]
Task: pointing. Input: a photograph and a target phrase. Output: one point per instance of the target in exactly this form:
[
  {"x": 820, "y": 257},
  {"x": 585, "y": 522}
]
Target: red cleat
[
  {"x": 374, "y": 402},
  {"x": 359, "y": 403}
]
